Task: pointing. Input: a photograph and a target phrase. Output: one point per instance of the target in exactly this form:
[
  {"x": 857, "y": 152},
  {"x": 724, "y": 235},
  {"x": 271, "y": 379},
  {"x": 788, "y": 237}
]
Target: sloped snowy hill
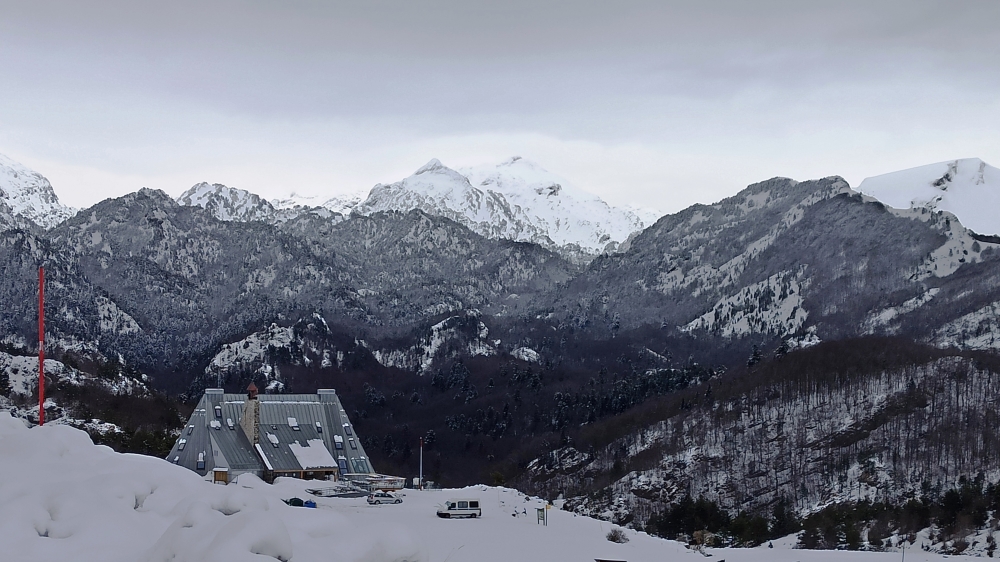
[
  {"x": 30, "y": 196},
  {"x": 969, "y": 188},
  {"x": 62, "y": 498}
]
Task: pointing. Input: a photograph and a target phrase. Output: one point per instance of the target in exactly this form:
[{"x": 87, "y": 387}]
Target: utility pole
[
  {"x": 41, "y": 345},
  {"x": 421, "y": 463}
]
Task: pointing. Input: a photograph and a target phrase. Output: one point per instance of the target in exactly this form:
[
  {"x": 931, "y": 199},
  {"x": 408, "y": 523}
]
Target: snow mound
[
  {"x": 30, "y": 196},
  {"x": 968, "y": 188}
]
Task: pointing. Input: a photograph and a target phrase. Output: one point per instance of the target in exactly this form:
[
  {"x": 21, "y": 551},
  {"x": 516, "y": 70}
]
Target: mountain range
[
  {"x": 530, "y": 331},
  {"x": 515, "y": 200}
]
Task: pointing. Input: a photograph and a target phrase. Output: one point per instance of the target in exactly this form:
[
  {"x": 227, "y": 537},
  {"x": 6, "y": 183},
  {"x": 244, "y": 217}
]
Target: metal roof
[{"x": 275, "y": 411}]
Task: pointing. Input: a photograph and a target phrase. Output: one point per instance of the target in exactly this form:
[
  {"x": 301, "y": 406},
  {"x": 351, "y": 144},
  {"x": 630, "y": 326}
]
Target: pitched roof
[{"x": 298, "y": 423}]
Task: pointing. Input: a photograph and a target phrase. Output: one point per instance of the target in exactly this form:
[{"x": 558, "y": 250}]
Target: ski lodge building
[{"x": 300, "y": 435}]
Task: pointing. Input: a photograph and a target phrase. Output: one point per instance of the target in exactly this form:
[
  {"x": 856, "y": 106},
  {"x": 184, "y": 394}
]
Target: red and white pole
[{"x": 41, "y": 346}]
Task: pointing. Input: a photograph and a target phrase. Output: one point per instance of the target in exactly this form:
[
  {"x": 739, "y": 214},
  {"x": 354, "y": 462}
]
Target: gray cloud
[{"x": 142, "y": 89}]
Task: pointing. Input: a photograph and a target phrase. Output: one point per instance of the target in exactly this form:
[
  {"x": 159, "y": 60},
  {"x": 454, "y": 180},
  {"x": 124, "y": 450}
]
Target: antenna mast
[{"x": 41, "y": 346}]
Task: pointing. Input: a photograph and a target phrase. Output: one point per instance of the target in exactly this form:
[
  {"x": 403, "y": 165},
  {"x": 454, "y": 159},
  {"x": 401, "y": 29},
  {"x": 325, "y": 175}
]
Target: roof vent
[{"x": 319, "y": 428}]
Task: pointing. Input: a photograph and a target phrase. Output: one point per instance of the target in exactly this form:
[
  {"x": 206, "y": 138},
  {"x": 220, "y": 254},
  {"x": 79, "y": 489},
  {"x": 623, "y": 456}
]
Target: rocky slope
[
  {"x": 786, "y": 259},
  {"x": 228, "y": 204}
]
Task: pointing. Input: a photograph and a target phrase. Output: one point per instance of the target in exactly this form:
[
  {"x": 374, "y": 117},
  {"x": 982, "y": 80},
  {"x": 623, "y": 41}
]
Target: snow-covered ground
[{"x": 62, "y": 498}]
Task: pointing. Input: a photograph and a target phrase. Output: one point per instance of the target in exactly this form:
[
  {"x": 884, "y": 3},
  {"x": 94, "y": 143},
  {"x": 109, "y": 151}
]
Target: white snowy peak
[
  {"x": 28, "y": 195},
  {"x": 968, "y": 188},
  {"x": 342, "y": 204},
  {"x": 228, "y": 203},
  {"x": 515, "y": 200}
]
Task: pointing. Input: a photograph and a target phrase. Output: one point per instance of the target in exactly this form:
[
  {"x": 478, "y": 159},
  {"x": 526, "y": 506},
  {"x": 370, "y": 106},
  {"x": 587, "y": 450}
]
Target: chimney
[{"x": 250, "y": 422}]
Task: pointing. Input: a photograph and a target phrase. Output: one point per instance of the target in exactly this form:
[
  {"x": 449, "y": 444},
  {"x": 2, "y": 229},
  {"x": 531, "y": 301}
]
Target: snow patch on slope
[
  {"x": 250, "y": 354},
  {"x": 446, "y": 338},
  {"x": 886, "y": 316},
  {"x": 113, "y": 319},
  {"x": 977, "y": 330},
  {"x": 969, "y": 188},
  {"x": 22, "y": 371},
  {"x": 770, "y": 306}
]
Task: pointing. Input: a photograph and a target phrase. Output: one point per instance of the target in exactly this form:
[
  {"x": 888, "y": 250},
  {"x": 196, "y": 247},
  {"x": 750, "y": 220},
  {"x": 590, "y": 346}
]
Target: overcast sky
[{"x": 659, "y": 104}]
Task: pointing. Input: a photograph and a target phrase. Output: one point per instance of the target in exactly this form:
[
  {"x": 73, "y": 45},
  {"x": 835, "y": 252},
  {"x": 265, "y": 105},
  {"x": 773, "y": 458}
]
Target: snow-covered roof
[{"x": 313, "y": 454}]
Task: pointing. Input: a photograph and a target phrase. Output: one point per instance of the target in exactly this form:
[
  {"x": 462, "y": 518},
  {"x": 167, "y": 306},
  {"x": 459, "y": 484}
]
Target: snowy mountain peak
[
  {"x": 30, "y": 196},
  {"x": 516, "y": 200},
  {"x": 431, "y": 166},
  {"x": 227, "y": 203},
  {"x": 295, "y": 200},
  {"x": 968, "y": 188}
]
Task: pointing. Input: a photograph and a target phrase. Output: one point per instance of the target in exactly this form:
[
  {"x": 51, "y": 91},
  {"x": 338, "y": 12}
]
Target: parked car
[
  {"x": 460, "y": 508},
  {"x": 383, "y": 497}
]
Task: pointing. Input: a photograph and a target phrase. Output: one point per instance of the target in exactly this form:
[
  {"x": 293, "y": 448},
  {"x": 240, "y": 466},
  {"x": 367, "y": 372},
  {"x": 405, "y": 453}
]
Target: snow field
[{"x": 63, "y": 498}]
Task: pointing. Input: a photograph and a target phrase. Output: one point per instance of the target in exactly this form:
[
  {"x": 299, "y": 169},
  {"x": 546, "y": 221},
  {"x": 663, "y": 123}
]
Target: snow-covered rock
[
  {"x": 463, "y": 334},
  {"x": 969, "y": 188},
  {"x": 228, "y": 203},
  {"x": 30, "y": 196},
  {"x": 22, "y": 371},
  {"x": 515, "y": 200}
]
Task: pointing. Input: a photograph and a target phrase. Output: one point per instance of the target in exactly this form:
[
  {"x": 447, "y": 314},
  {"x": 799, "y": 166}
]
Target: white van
[{"x": 460, "y": 508}]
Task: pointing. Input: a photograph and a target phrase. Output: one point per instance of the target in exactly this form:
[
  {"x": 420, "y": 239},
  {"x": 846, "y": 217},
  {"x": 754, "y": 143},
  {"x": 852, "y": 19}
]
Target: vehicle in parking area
[
  {"x": 376, "y": 498},
  {"x": 460, "y": 508}
]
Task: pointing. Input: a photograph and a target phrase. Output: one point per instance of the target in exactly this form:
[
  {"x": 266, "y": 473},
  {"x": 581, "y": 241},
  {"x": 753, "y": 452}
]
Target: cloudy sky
[{"x": 659, "y": 104}]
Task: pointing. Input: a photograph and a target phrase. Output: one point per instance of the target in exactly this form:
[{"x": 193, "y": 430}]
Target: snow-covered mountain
[
  {"x": 29, "y": 195},
  {"x": 968, "y": 188},
  {"x": 239, "y": 205},
  {"x": 515, "y": 200},
  {"x": 341, "y": 204},
  {"x": 228, "y": 203}
]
